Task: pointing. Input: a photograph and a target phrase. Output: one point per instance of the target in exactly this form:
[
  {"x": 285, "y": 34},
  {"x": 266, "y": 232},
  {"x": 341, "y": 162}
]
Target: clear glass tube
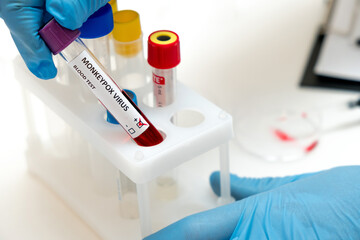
[
  {"x": 91, "y": 72},
  {"x": 167, "y": 186},
  {"x": 164, "y": 83},
  {"x": 100, "y": 47},
  {"x": 73, "y": 50},
  {"x": 128, "y": 201},
  {"x": 63, "y": 73},
  {"x": 130, "y": 69},
  {"x": 59, "y": 131}
]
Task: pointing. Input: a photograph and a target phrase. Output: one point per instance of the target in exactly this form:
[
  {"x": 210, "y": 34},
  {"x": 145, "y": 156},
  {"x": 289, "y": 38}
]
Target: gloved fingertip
[
  {"x": 65, "y": 14},
  {"x": 68, "y": 23},
  {"x": 215, "y": 182},
  {"x": 44, "y": 70}
]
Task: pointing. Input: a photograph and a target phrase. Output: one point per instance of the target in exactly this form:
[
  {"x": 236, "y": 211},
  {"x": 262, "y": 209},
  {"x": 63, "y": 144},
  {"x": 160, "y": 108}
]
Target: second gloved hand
[
  {"x": 322, "y": 205},
  {"x": 24, "y": 18}
]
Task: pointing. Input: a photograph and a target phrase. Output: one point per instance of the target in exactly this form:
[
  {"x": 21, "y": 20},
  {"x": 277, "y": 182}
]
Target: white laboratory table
[{"x": 240, "y": 54}]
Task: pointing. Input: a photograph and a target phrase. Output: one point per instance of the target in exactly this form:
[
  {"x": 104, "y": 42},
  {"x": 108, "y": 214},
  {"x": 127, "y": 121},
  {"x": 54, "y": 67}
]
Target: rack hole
[
  {"x": 187, "y": 118},
  {"x": 163, "y": 134}
]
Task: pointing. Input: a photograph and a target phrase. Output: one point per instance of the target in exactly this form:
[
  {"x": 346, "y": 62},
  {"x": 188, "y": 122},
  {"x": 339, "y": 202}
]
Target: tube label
[
  {"x": 159, "y": 90},
  {"x": 164, "y": 86},
  {"x": 109, "y": 94}
]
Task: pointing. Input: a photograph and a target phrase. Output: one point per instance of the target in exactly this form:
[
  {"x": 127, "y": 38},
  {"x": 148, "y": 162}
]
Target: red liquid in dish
[
  {"x": 311, "y": 146},
  {"x": 282, "y": 136}
]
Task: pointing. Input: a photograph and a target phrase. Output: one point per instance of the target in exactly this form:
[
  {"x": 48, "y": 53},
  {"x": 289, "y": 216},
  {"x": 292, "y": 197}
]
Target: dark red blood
[
  {"x": 286, "y": 138},
  {"x": 151, "y": 136}
]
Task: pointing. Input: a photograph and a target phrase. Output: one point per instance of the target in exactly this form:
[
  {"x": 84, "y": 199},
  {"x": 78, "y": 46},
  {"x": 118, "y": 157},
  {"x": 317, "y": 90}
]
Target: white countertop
[{"x": 242, "y": 54}]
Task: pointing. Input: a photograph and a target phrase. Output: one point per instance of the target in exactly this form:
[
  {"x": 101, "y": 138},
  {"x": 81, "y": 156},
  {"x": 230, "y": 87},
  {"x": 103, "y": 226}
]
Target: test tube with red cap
[
  {"x": 89, "y": 70},
  {"x": 163, "y": 57}
]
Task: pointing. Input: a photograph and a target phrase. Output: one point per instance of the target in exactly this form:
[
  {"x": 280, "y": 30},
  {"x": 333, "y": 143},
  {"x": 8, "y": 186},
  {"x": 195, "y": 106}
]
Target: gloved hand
[
  {"x": 24, "y": 18},
  {"x": 323, "y": 205}
]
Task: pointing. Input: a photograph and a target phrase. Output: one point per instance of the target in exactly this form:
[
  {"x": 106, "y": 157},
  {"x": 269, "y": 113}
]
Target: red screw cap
[{"x": 163, "y": 49}]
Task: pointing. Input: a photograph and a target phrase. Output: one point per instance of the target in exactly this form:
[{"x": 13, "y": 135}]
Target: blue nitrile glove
[
  {"x": 24, "y": 18},
  {"x": 323, "y": 205}
]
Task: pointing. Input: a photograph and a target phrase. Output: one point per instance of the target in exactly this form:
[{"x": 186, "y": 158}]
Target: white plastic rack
[{"x": 140, "y": 164}]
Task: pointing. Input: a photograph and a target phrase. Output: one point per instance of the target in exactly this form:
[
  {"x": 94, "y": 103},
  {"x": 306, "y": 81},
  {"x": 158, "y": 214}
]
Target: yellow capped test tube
[
  {"x": 130, "y": 70},
  {"x": 127, "y": 33}
]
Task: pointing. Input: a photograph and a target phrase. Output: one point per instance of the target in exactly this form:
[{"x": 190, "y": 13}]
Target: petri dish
[{"x": 279, "y": 135}]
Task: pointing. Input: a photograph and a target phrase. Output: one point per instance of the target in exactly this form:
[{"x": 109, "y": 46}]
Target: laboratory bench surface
[{"x": 241, "y": 55}]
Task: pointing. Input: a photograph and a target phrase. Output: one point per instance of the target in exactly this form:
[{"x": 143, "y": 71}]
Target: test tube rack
[{"x": 140, "y": 164}]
